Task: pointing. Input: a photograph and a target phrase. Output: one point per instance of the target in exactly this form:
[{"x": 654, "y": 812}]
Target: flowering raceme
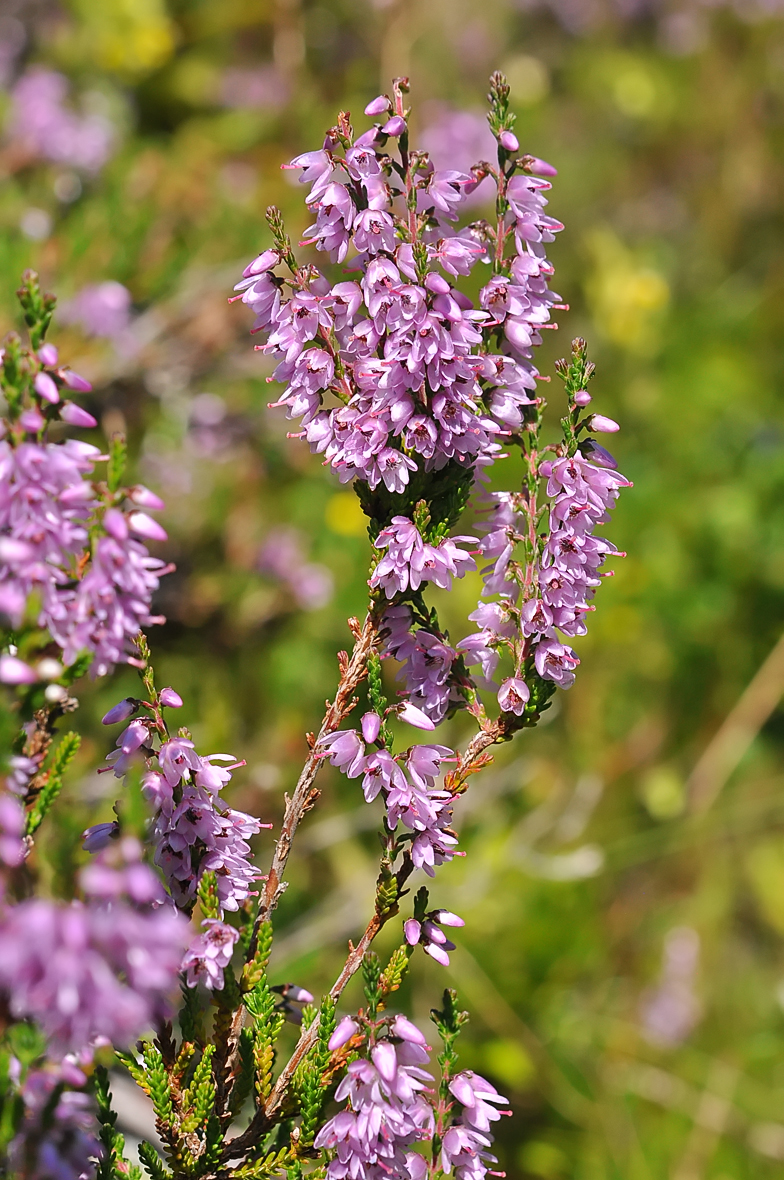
[
  {"x": 93, "y": 602},
  {"x": 42, "y": 123},
  {"x": 415, "y": 394},
  {"x": 100, "y": 969}
]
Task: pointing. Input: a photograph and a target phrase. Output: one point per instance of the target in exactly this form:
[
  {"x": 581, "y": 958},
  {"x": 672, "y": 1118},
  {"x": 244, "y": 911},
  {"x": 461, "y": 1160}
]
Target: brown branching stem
[
  {"x": 475, "y": 758},
  {"x": 353, "y": 672}
]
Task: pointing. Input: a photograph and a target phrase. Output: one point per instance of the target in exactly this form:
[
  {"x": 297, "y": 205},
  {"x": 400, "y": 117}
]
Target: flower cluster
[
  {"x": 410, "y": 560},
  {"x": 390, "y": 1106},
  {"x": 429, "y": 664},
  {"x": 57, "y": 1136},
  {"x": 387, "y": 1111},
  {"x": 99, "y": 968},
  {"x": 555, "y": 589},
  {"x": 402, "y": 351},
  {"x": 281, "y": 557},
  {"x": 192, "y": 833},
  {"x": 12, "y": 825},
  {"x": 101, "y": 309},
  {"x": 65, "y": 546},
  {"x": 408, "y": 783},
  {"x": 465, "y": 1147},
  {"x": 42, "y": 124}
]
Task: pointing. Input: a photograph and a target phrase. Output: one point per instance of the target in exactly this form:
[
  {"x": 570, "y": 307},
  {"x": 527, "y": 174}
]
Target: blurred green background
[{"x": 624, "y": 883}]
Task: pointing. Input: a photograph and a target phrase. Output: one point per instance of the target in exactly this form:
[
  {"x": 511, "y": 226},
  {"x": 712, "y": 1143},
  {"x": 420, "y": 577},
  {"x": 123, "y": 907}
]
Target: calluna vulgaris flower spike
[{"x": 415, "y": 395}]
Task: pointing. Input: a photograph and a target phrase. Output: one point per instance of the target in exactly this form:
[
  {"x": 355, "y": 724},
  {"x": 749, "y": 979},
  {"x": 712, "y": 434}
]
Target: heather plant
[{"x": 417, "y": 396}]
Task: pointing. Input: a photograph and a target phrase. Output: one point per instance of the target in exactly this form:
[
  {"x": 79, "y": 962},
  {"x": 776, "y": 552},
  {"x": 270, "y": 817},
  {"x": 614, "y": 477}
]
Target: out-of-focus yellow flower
[
  {"x": 128, "y": 37},
  {"x": 626, "y": 295},
  {"x": 344, "y": 516}
]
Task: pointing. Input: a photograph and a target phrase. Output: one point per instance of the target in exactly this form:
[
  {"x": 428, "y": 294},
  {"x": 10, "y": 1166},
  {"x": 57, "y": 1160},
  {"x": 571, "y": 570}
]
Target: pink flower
[{"x": 513, "y": 696}]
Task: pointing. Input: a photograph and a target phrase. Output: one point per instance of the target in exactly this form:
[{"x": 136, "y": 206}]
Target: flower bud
[
  {"x": 47, "y": 354},
  {"x": 97, "y": 837},
  {"x": 413, "y": 716},
  {"x": 394, "y": 126},
  {"x": 170, "y": 699},
  {"x": 46, "y": 388},
  {"x": 77, "y": 493},
  {"x": 145, "y": 498},
  {"x": 603, "y": 425},
  {"x": 344, "y": 1031},
  {"x": 371, "y": 727},
  {"x": 385, "y": 1060},
  {"x": 367, "y": 138},
  {"x": 447, "y": 918},
  {"x": 403, "y": 1028},
  {"x": 49, "y": 669},
  {"x": 75, "y": 381},
  {"x": 13, "y": 550},
  {"x": 437, "y": 284},
  {"x": 75, "y": 416},
  {"x": 32, "y": 421},
  {"x": 598, "y": 455},
  {"x": 14, "y": 671},
  {"x": 582, "y": 398},
  {"x": 120, "y": 712},
  {"x": 438, "y": 953},
  {"x": 263, "y": 263},
  {"x": 378, "y": 106},
  {"x": 115, "y": 524},
  {"x": 299, "y": 995},
  {"x": 133, "y": 737},
  {"x": 412, "y": 930},
  {"x": 144, "y": 526},
  {"x": 541, "y": 167},
  {"x": 509, "y": 141}
]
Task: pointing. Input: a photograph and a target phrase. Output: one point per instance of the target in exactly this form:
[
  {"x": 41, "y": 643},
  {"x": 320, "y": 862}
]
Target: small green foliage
[
  {"x": 243, "y": 1079},
  {"x": 245, "y": 922},
  {"x": 37, "y": 307},
  {"x": 499, "y": 116},
  {"x": 14, "y": 377},
  {"x": 280, "y": 237},
  {"x": 153, "y": 1163},
  {"x": 254, "y": 970},
  {"x": 272, "y": 1163},
  {"x": 77, "y": 669},
  {"x": 371, "y": 974},
  {"x": 376, "y": 697},
  {"x": 136, "y": 1070},
  {"x": 387, "y": 891},
  {"x": 421, "y": 901},
  {"x": 63, "y": 756},
  {"x": 313, "y": 1087},
  {"x": 575, "y": 374},
  {"x": 448, "y": 1021},
  {"x": 445, "y": 494},
  {"x": 208, "y": 895},
  {"x": 111, "y": 1139},
  {"x": 261, "y": 1002},
  {"x": 118, "y": 457},
  {"x": 158, "y": 1083},
  {"x": 395, "y": 970},
  {"x": 191, "y": 1021},
  {"x": 198, "y": 1099}
]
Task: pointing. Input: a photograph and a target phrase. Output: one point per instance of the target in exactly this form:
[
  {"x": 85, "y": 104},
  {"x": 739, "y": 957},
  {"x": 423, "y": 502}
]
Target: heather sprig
[{"x": 415, "y": 395}]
